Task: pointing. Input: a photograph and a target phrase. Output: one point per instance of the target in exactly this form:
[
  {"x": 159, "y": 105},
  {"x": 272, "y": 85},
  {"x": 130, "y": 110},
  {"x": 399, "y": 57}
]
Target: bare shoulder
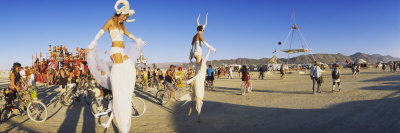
[{"x": 110, "y": 21}]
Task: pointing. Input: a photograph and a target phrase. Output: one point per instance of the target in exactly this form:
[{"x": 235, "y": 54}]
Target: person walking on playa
[
  {"x": 394, "y": 67},
  {"x": 282, "y": 71},
  {"x": 261, "y": 70},
  {"x": 230, "y": 75},
  {"x": 179, "y": 78},
  {"x": 383, "y": 67},
  {"x": 336, "y": 77},
  {"x": 315, "y": 74}
]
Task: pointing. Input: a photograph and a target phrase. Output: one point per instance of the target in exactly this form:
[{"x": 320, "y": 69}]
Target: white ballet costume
[
  {"x": 121, "y": 78},
  {"x": 198, "y": 93},
  {"x": 122, "y": 81},
  {"x": 197, "y": 49}
]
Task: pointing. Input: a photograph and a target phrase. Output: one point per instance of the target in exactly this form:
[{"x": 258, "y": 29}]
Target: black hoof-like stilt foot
[{"x": 198, "y": 119}]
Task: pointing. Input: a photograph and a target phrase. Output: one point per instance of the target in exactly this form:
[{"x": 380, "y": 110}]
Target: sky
[{"x": 236, "y": 28}]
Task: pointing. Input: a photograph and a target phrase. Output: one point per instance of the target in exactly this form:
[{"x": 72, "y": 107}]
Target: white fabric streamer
[
  {"x": 121, "y": 78},
  {"x": 198, "y": 93}
]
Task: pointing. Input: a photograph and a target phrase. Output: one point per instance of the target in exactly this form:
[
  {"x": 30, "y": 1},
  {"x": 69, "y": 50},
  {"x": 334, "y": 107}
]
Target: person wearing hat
[
  {"x": 336, "y": 77},
  {"x": 122, "y": 70}
]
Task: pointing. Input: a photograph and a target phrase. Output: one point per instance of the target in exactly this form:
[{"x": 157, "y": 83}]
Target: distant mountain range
[
  {"x": 306, "y": 59},
  {"x": 302, "y": 59}
]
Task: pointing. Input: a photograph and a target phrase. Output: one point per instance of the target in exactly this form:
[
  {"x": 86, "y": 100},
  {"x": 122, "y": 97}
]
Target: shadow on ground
[{"x": 357, "y": 116}]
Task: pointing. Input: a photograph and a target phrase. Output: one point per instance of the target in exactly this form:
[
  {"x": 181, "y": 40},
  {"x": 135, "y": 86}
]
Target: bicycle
[
  {"x": 164, "y": 95},
  {"x": 35, "y": 109},
  {"x": 104, "y": 96},
  {"x": 86, "y": 86},
  {"x": 100, "y": 101},
  {"x": 67, "y": 98},
  {"x": 209, "y": 85}
]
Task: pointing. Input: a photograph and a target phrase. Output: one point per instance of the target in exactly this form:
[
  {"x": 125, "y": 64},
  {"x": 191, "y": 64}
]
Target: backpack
[{"x": 335, "y": 74}]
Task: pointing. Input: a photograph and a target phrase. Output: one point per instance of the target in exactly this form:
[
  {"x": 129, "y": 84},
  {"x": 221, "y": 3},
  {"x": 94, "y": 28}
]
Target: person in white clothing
[
  {"x": 198, "y": 39},
  {"x": 120, "y": 75},
  {"x": 315, "y": 74},
  {"x": 230, "y": 76}
]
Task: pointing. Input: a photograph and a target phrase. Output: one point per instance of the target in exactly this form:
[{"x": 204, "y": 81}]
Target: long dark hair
[{"x": 15, "y": 66}]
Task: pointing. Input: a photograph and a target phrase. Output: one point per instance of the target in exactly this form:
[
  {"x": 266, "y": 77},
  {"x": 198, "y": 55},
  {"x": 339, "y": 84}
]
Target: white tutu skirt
[{"x": 122, "y": 78}]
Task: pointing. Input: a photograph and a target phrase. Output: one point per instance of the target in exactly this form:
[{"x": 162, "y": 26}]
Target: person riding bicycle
[
  {"x": 160, "y": 76},
  {"x": 63, "y": 77},
  {"x": 170, "y": 78},
  {"x": 16, "y": 81},
  {"x": 210, "y": 74}
]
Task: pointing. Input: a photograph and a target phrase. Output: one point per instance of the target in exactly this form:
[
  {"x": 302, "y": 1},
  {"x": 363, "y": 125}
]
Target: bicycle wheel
[
  {"x": 98, "y": 106},
  {"x": 162, "y": 97},
  {"x": 212, "y": 85},
  {"x": 159, "y": 87},
  {"x": 206, "y": 86},
  {"x": 88, "y": 97},
  {"x": 138, "y": 107},
  {"x": 67, "y": 98},
  {"x": 178, "y": 94},
  {"x": 243, "y": 88},
  {"x": 37, "y": 111},
  {"x": 5, "y": 114}
]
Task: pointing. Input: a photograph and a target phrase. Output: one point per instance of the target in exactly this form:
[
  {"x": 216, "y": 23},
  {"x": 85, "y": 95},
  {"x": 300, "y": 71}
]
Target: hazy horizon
[{"x": 236, "y": 28}]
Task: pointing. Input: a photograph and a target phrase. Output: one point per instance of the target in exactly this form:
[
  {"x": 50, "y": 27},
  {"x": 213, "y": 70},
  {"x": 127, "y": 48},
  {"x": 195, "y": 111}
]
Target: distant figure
[
  {"x": 394, "y": 67},
  {"x": 179, "y": 77},
  {"x": 315, "y": 74},
  {"x": 282, "y": 71},
  {"x": 230, "y": 76},
  {"x": 358, "y": 69},
  {"x": 383, "y": 67},
  {"x": 246, "y": 74},
  {"x": 210, "y": 74},
  {"x": 261, "y": 70},
  {"x": 336, "y": 77},
  {"x": 353, "y": 69}
]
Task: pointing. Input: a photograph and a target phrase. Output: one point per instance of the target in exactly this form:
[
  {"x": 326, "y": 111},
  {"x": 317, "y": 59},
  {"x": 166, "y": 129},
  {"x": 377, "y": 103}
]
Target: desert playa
[{"x": 367, "y": 103}]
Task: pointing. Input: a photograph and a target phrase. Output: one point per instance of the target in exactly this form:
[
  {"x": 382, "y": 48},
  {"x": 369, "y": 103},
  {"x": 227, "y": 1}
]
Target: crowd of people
[{"x": 173, "y": 76}]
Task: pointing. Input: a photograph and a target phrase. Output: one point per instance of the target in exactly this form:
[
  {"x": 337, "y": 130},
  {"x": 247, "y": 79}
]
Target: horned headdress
[
  {"x": 198, "y": 23},
  {"x": 124, "y": 9}
]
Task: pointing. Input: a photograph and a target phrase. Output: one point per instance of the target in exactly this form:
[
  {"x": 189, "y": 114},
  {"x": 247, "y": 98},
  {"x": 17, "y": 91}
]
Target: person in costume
[
  {"x": 120, "y": 74},
  {"x": 198, "y": 39},
  {"x": 197, "y": 93},
  {"x": 179, "y": 78}
]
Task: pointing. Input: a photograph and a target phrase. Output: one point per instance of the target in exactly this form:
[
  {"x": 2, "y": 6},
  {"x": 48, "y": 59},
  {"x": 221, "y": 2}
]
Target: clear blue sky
[{"x": 236, "y": 28}]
